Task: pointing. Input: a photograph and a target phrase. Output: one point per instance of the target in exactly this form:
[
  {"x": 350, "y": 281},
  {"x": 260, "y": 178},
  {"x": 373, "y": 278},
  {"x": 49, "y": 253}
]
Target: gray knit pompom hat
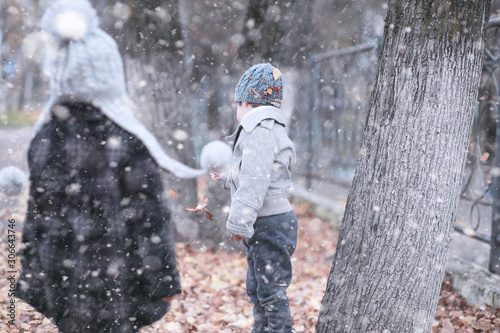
[
  {"x": 88, "y": 68},
  {"x": 262, "y": 84}
]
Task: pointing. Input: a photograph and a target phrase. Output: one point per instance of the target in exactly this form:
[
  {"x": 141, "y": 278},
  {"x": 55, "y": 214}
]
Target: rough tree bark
[{"x": 391, "y": 254}]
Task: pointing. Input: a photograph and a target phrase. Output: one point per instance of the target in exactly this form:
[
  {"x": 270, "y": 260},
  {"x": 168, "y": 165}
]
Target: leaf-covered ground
[{"x": 214, "y": 297}]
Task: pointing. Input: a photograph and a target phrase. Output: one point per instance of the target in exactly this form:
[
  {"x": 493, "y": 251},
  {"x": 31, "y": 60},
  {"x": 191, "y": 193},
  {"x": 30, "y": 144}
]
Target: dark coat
[{"x": 98, "y": 253}]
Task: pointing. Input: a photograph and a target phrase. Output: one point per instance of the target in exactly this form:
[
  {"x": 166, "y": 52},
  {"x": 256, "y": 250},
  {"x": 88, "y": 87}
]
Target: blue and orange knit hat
[{"x": 262, "y": 84}]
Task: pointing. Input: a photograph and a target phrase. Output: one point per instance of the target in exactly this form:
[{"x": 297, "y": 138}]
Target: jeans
[{"x": 270, "y": 271}]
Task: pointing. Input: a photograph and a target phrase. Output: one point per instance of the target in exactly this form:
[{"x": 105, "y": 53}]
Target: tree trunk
[{"x": 395, "y": 234}]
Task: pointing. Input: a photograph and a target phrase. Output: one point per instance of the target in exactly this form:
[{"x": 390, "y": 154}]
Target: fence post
[
  {"x": 494, "y": 264},
  {"x": 312, "y": 118}
]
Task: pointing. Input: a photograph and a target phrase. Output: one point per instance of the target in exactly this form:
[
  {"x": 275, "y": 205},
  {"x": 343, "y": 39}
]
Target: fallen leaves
[
  {"x": 172, "y": 193},
  {"x": 454, "y": 315},
  {"x": 217, "y": 284},
  {"x": 214, "y": 297}
]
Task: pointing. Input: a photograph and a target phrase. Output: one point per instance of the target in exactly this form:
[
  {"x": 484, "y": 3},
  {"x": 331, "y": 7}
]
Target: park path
[{"x": 13, "y": 146}]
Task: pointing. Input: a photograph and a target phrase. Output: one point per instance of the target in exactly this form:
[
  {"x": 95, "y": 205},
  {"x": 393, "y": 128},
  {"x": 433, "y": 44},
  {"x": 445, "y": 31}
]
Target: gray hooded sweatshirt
[{"x": 259, "y": 178}]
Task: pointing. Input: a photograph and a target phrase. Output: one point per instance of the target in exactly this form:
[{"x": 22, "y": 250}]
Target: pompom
[
  {"x": 70, "y": 25},
  {"x": 70, "y": 19},
  {"x": 215, "y": 155},
  {"x": 12, "y": 180}
]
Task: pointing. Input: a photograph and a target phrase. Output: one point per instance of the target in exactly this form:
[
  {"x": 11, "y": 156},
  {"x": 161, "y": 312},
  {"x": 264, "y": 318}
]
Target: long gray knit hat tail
[
  {"x": 89, "y": 69},
  {"x": 262, "y": 84}
]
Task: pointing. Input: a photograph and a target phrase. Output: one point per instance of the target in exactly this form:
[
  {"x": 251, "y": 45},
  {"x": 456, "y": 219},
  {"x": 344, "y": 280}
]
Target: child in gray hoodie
[{"x": 259, "y": 180}]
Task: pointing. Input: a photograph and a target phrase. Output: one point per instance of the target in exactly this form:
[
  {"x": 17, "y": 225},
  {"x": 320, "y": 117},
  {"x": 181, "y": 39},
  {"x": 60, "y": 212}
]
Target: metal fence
[{"x": 339, "y": 89}]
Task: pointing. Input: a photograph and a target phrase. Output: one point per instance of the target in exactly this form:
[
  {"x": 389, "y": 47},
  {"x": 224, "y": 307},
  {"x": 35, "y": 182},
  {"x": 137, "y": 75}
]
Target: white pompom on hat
[
  {"x": 70, "y": 20},
  {"x": 88, "y": 68},
  {"x": 12, "y": 181}
]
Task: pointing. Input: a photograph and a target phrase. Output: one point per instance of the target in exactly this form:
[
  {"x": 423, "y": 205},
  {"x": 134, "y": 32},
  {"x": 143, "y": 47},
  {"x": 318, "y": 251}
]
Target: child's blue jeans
[{"x": 270, "y": 271}]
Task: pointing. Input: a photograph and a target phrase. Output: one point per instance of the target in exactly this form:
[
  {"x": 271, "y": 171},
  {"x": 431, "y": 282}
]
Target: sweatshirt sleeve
[{"x": 258, "y": 154}]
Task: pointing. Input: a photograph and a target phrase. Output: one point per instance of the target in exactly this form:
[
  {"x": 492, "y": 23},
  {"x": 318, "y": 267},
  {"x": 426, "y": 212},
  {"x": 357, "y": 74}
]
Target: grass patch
[{"x": 18, "y": 119}]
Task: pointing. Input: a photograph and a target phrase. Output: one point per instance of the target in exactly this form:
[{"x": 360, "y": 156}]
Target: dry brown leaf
[
  {"x": 276, "y": 104},
  {"x": 276, "y": 74},
  {"x": 252, "y": 91},
  {"x": 268, "y": 91},
  {"x": 484, "y": 157},
  {"x": 172, "y": 193},
  {"x": 277, "y": 89},
  {"x": 447, "y": 326},
  {"x": 482, "y": 325},
  {"x": 208, "y": 215}
]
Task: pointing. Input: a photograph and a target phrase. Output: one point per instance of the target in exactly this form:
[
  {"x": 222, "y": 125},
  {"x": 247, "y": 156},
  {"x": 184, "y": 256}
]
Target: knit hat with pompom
[
  {"x": 88, "y": 68},
  {"x": 262, "y": 84}
]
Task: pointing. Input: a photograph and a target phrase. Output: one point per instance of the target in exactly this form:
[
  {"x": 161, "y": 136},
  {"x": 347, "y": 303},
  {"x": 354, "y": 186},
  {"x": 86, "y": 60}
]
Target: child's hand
[
  {"x": 237, "y": 238},
  {"x": 215, "y": 175}
]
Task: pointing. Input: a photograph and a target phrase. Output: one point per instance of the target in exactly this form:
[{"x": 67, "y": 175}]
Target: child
[
  {"x": 259, "y": 180},
  {"x": 97, "y": 248}
]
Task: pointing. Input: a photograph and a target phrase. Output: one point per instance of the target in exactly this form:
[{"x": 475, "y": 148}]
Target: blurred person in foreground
[
  {"x": 97, "y": 248},
  {"x": 259, "y": 180}
]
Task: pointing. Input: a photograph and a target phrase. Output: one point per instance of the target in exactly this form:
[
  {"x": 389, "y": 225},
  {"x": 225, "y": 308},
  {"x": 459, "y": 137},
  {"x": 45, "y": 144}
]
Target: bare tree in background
[
  {"x": 277, "y": 31},
  {"x": 395, "y": 234},
  {"x": 19, "y": 66},
  {"x": 343, "y": 23}
]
